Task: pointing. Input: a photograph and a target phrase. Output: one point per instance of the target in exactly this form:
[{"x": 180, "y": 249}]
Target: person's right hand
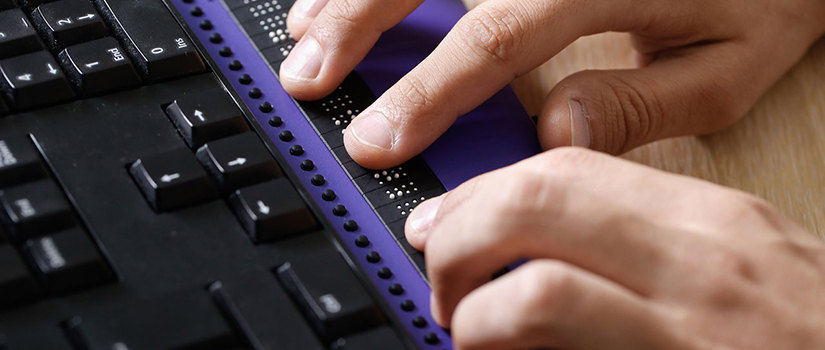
[{"x": 705, "y": 62}]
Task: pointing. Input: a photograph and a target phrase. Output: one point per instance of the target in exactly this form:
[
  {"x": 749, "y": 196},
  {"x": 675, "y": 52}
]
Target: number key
[
  {"x": 99, "y": 66},
  {"x": 33, "y": 80},
  {"x": 68, "y": 22}
]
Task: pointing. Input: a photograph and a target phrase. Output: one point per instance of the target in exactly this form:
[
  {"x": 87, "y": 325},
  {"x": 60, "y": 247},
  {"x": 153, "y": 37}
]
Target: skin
[{"x": 637, "y": 259}]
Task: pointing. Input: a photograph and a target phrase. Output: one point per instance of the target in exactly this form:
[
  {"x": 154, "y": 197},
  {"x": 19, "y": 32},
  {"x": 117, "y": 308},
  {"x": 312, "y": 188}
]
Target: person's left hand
[{"x": 622, "y": 257}]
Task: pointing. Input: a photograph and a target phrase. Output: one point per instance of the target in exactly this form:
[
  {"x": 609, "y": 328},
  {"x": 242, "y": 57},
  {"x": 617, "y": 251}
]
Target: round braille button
[
  {"x": 225, "y": 51},
  {"x": 255, "y": 93},
  {"x": 235, "y": 65},
  {"x": 362, "y": 241},
  {"x": 318, "y": 180},
  {"x": 206, "y": 25},
  {"x": 373, "y": 257},
  {"x": 407, "y": 305},
  {"x": 265, "y": 107},
  {"x": 329, "y": 195},
  {"x": 296, "y": 150},
  {"x": 420, "y": 322},
  {"x": 308, "y": 165},
  {"x": 339, "y": 210},
  {"x": 276, "y": 121},
  {"x": 286, "y": 136},
  {"x": 215, "y": 38},
  {"x": 431, "y": 339},
  {"x": 384, "y": 273},
  {"x": 351, "y": 226},
  {"x": 245, "y": 79},
  {"x": 396, "y": 289}
]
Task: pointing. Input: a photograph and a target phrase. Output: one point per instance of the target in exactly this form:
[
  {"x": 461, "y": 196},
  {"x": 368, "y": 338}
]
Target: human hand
[
  {"x": 704, "y": 63},
  {"x": 622, "y": 256}
]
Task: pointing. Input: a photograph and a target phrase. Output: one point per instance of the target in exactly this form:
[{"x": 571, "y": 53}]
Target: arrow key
[
  {"x": 272, "y": 210},
  {"x": 238, "y": 161},
  {"x": 34, "y": 80},
  {"x": 206, "y": 116},
  {"x": 172, "y": 180}
]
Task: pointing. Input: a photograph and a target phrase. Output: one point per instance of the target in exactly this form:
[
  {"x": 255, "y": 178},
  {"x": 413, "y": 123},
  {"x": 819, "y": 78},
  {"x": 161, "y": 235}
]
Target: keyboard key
[
  {"x": 238, "y": 161},
  {"x": 330, "y": 295},
  {"x": 16, "y": 284},
  {"x": 156, "y": 43},
  {"x": 34, "y": 80},
  {"x": 68, "y": 22},
  {"x": 172, "y": 180},
  {"x": 99, "y": 66},
  {"x": 19, "y": 161},
  {"x": 206, "y": 116},
  {"x": 272, "y": 210},
  {"x": 180, "y": 321},
  {"x": 35, "y": 209},
  {"x": 17, "y": 35},
  {"x": 68, "y": 261},
  {"x": 379, "y": 338}
]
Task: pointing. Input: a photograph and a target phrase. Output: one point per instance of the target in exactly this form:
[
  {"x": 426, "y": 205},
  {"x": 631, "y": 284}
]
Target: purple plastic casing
[{"x": 496, "y": 134}]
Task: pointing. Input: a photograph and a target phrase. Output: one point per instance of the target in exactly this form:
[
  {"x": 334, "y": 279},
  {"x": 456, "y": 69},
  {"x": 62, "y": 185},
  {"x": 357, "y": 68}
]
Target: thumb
[{"x": 618, "y": 110}]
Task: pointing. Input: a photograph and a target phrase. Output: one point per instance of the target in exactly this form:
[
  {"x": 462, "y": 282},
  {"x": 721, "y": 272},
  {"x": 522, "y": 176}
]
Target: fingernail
[
  {"x": 421, "y": 218},
  {"x": 304, "y": 62},
  {"x": 308, "y": 8},
  {"x": 579, "y": 125},
  {"x": 372, "y": 130}
]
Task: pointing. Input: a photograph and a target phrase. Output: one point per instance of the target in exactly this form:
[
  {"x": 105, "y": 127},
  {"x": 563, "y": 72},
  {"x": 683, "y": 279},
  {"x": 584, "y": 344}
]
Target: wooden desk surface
[{"x": 776, "y": 152}]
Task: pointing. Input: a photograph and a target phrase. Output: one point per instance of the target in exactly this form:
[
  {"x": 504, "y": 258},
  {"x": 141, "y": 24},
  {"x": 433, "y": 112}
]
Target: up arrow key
[{"x": 263, "y": 208}]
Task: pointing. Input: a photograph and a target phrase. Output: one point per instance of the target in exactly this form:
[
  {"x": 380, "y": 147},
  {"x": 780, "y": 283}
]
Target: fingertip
[
  {"x": 555, "y": 129},
  {"x": 420, "y": 221},
  {"x": 301, "y": 15}
]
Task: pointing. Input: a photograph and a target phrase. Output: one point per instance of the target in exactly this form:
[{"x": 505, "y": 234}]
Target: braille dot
[
  {"x": 255, "y": 93},
  {"x": 396, "y": 289},
  {"x": 329, "y": 195},
  {"x": 407, "y": 305},
  {"x": 286, "y": 136},
  {"x": 384, "y": 273},
  {"x": 362, "y": 241},
  {"x": 265, "y": 107},
  {"x": 235, "y": 65},
  {"x": 197, "y": 11},
  {"x": 318, "y": 180},
  {"x": 307, "y": 165},
  {"x": 215, "y": 38},
  {"x": 351, "y": 226},
  {"x": 431, "y": 338},
  {"x": 206, "y": 25},
  {"x": 296, "y": 150},
  {"x": 276, "y": 121},
  {"x": 420, "y": 322},
  {"x": 245, "y": 79},
  {"x": 339, "y": 210}
]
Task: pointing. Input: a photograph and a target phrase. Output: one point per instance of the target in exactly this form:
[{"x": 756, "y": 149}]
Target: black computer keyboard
[{"x": 145, "y": 206}]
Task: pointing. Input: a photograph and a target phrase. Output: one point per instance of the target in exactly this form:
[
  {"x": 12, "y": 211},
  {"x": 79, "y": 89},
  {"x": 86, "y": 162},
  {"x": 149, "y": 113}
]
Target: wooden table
[{"x": 776, "y": 152}]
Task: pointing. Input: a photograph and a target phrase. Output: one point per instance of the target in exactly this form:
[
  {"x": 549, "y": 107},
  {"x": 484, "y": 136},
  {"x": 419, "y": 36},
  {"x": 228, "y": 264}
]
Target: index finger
[{"x": 488, "y": 48}]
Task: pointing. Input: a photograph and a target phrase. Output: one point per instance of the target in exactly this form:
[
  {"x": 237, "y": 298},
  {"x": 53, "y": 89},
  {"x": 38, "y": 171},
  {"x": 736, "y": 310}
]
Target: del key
[{"x": 152, "y": 37}]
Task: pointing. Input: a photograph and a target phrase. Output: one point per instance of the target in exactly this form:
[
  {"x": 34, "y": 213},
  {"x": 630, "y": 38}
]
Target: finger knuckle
[
  {"x": 344, "y": 13},
  {"x": 412, "y": 93},
  {"x": 726, "y": 273},
  {"x": 546, "y": 289},
  {"x": 638, "y": 111},
  {"x": 492, "y": 32}
]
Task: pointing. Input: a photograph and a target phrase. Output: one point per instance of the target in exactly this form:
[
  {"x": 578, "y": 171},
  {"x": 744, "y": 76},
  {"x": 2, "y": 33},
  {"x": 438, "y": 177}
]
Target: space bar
[{"x": 154, "y": 40}]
